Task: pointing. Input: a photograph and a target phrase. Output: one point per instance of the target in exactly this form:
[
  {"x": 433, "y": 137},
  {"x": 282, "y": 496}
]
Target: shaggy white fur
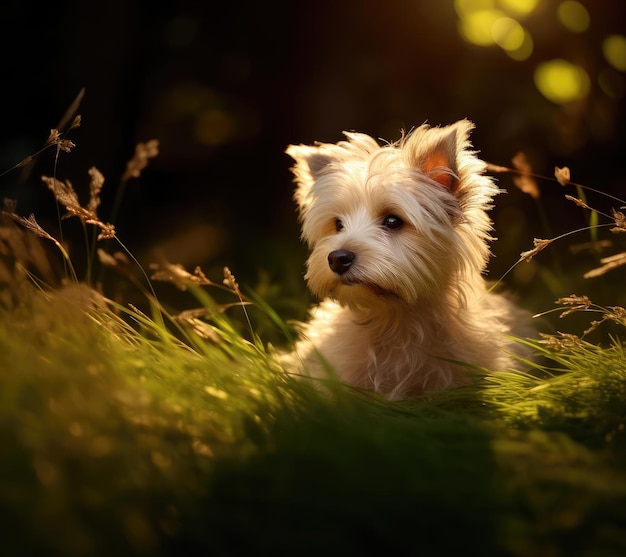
[{"x": 398, "y": 237}]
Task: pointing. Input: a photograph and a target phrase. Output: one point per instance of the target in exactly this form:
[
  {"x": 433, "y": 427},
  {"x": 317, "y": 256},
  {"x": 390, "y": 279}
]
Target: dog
[{"x": 398, "y": 237}]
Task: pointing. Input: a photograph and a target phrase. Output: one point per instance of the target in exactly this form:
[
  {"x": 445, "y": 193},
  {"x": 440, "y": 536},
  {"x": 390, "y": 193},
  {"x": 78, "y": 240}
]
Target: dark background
[{"x": 226, "y": 86}]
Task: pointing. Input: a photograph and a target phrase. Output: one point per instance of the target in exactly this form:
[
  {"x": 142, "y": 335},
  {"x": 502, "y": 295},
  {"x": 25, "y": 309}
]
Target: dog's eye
[
  {"x": 338, "y": 225},
  {"x": 393, "y": 222}
]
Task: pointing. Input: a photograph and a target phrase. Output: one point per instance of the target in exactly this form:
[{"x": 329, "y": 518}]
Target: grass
[
  {"x": 135, "y": 443},
  {"x": 129, "y": 432}
]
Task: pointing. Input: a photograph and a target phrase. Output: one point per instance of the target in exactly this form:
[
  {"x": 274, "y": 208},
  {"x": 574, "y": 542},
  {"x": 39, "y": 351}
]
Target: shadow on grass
[{"x": 121, "y": 443}]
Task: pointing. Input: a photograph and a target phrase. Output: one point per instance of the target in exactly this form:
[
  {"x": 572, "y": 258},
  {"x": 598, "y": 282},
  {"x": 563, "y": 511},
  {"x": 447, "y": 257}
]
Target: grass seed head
[
  {"x": 562, "y": 175},
  {"x": 561, "y": 342},
  {"x": 539, "y": 246},
  {"x": 143, "y": 153},
  {"x": 620, "y": 221},
  {"x": 525, "y": 180}
]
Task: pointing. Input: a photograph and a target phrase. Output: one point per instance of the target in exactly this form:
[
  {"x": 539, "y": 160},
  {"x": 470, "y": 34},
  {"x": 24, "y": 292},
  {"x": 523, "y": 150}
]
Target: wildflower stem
[
  {"x": 506, "y": 169},
  {"x": 524, "y": 257},
  {"x": 134, "y": 259},
  {"x": 117, "y": 202}
]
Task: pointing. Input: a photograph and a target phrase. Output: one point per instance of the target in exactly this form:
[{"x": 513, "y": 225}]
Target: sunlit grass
[
  {"x": 128, "y": 431},
  {"x": 131, "y": 440}
]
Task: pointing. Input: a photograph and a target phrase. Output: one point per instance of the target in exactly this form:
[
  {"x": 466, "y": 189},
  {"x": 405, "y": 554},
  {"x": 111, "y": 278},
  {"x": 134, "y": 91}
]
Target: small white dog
[{"x": 399, "y": 242}]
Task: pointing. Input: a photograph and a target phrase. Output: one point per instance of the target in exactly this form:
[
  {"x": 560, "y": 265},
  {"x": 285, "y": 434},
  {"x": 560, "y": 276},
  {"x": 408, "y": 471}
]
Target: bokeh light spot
[
  {"x": 561, "y": 81},
  {"x": 519, "y": 7},
  {"x": 214, "y": 127},
  {"x": 614, "y": 48},
  {"x": 476, "y": 27},
  {"x": 525, "y": 49},
  {"x": 611, "y": 83},
  {"x": 465, "y": 7},
  {"x": 574, "y": 16},
  {"x": 507, "y": 33}
]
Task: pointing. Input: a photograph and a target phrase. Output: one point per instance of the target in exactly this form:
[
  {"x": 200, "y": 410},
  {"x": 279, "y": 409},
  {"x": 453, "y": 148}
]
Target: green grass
[
  {"x": 129, "y": 440},
  {"x": 126, "y": 434}
]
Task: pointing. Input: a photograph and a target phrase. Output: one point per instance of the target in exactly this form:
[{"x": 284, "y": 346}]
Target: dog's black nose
[{"x": 340, "y": 260}]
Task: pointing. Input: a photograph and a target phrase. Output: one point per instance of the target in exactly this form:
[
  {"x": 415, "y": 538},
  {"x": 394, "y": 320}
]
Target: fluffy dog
[{"x": 399, "y": 241}]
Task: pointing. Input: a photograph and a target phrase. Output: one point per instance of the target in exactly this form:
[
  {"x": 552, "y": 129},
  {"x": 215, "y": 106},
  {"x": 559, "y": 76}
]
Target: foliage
[
  {"x": 127, "y": 432},
  {"x": 126, "y": 440}
]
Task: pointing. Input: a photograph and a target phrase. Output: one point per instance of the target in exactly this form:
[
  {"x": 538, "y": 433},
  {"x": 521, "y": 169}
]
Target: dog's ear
[
  {"x": 435, "y": 151},
  {"x": 310, "y": 161}
]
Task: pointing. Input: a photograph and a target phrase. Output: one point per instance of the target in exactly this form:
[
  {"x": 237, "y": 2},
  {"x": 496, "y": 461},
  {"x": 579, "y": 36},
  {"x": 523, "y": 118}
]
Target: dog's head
[{"x": 402, "y": 221}]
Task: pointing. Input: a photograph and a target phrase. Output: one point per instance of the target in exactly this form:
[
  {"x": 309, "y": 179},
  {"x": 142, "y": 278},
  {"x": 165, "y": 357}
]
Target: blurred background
[{"x": 225, "y": 87}]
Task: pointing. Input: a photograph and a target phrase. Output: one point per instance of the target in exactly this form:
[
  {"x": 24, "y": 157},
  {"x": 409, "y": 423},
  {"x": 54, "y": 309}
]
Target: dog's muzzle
[{"x": 341, "y": 260}]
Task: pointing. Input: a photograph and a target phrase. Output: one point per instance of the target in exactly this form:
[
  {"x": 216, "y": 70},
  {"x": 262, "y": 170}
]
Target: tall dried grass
[{"x": 127, "y": 432}]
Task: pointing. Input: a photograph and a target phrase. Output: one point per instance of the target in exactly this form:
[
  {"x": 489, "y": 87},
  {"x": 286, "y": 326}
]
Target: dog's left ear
[{"x": 435, "y": 151}]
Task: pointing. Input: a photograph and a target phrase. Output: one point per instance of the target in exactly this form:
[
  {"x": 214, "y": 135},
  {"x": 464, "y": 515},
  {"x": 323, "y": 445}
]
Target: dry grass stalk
[
  {"x": 66, "y": 195},
  {"x": 596, "y": 246},
  {"x": 31, "y": 224},
  {"x": 616, "y": 314},
  {"x": 578, "y": 202},
  {"x": 95, "y": 186},
  {"x": 496, "y": 168},
  {"x": 575, "y": 303},
  {"x": 562, "y": 175},
  {"x": 620, "y": 221},
  {"x": 118, "y": 261},
  {"x": 539, "y": 246},
  {"x": 143, "y": 153},
  {"x": 229, "y": 280},
  {"x": 55, "y": 138},
  {"x": 608, "y": 264},
  {"x": 71, "y": 111},
  {"x": 561, "y": 342},
  {"x": 62, "y": 144},
  {"x": 178, "y": 276},
  {"x": 201, "y": 328},
  {"x": 525, "y": 180},
  {"x": 25, "y": 248},
  {"x": 523, "y": 176}
]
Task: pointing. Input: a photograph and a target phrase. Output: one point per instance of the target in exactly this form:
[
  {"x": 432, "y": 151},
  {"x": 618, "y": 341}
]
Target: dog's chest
[{"x": 382, "y": 351}]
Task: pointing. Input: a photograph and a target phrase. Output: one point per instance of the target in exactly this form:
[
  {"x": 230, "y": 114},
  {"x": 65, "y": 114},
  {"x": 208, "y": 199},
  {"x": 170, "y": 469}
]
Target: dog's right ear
[{"x": 310, "y": 161}]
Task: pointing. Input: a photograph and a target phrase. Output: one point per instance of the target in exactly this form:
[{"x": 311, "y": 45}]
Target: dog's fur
[{"x": 398, "y": 237}]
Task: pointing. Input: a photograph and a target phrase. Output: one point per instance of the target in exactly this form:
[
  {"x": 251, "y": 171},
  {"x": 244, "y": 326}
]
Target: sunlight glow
[
  {"x": 561, "y": 81},
  {"x": 574, "y": 16}
]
